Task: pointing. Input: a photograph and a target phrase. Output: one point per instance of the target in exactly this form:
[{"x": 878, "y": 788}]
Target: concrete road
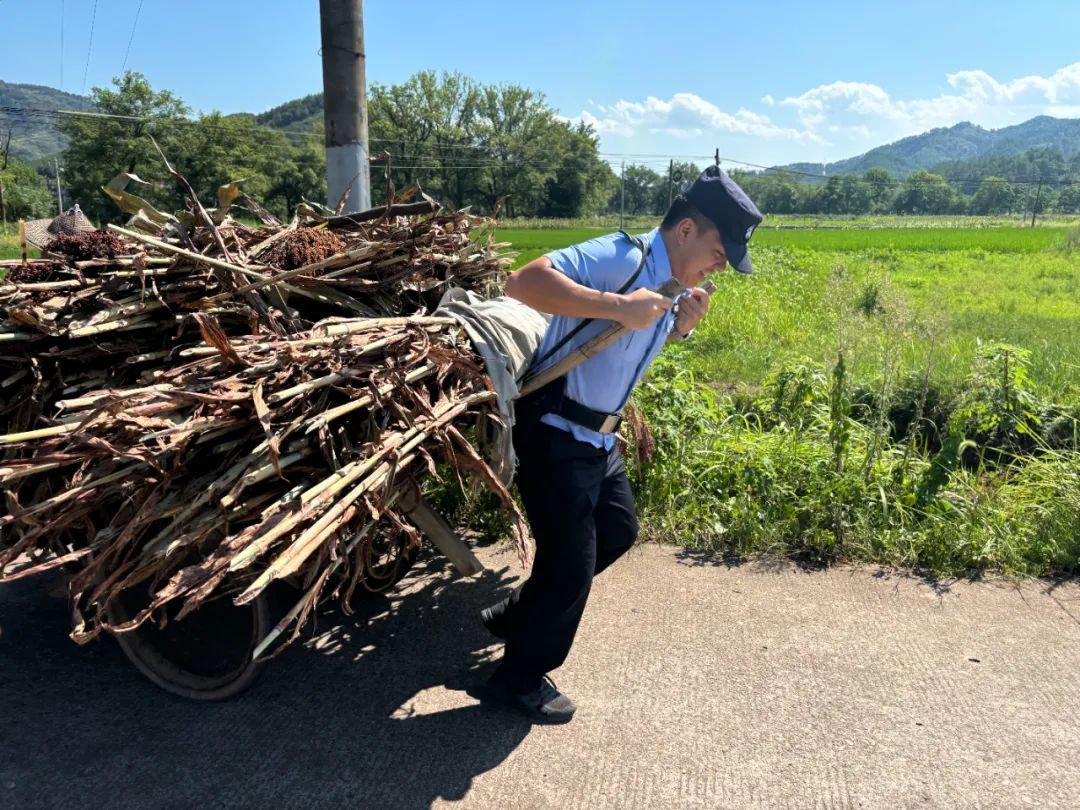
[{"x": 699, "y": 685}]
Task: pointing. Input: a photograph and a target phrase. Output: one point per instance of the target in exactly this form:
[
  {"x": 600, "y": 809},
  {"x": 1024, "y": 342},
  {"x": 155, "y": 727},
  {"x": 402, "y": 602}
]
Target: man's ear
[{"x": 685, "y": 229}]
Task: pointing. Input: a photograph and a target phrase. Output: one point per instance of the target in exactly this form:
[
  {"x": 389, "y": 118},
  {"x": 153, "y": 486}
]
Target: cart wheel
[
  {"x": 205, "y": 656},
  {"x": 390, "y": 559}
]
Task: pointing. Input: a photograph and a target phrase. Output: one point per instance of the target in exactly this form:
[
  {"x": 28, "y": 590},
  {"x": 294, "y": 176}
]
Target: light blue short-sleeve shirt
[{"x": 605, "y": 380}]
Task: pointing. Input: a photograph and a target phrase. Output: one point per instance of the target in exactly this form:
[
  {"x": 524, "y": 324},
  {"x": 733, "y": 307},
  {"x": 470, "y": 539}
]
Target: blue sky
[{"x": 765, "y": 83}]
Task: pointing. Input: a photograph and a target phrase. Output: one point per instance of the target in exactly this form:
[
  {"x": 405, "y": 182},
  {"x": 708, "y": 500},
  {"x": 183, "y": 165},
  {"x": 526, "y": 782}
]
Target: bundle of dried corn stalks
[
  {"x": 81, "y": 324},
  {"x": 197, "y": 415},
  {"x": 246, "y": 461}
]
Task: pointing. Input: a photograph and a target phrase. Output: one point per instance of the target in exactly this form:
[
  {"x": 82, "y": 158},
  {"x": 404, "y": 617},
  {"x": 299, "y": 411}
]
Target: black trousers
[{"x": 578, "y": 502}]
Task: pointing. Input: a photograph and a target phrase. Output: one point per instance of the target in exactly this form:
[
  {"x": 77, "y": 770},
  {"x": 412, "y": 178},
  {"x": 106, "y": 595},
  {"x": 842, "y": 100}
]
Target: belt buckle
[{"x": 610, "y": 424}]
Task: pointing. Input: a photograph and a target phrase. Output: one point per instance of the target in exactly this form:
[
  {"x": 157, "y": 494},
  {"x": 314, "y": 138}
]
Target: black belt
[
  {"x": 551, "y": 399},
  {"x": 600, "y": 421}
]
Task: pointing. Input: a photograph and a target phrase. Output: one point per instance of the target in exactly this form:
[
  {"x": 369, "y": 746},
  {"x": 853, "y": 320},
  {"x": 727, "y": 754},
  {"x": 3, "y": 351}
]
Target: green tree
[
  {"x": 1068, "y": 201},
  {"x": 844, "y": 194},
  {"x": 781, "y": 197},
  {"x": 430, "y": 125},
  {"x": 882, "y": 186},
  {"x": 301, "y": 175},
  {"x": 640, "y": 184},
  {"x": 522, "y": 145},
  {"x": 222, "y": 148},
  {"x": 856, "y": 193},
  {"x": 923, "y": 192},
  {"x": 100, "y": 148},
  {"x": 25, "y": 193},
  {"x": 995, "y": 195},
  {"x": 583, "y": 183},
  {"x": 473, "y": 144}
]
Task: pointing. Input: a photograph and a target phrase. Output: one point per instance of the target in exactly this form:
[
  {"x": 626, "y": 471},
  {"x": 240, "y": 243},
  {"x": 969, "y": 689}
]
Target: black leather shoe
[
  {"x": 496, "y": 623},
  {"x": 545, "y": 704}
]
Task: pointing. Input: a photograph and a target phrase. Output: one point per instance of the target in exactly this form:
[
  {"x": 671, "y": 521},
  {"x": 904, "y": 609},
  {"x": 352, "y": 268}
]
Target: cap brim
[{"x": 738, "y": 257}]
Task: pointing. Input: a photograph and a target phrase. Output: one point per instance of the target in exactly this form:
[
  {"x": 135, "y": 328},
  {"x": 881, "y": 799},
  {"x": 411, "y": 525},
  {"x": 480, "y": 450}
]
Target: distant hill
[
  {"x": 300, "y": 113},
  {"x": 963, "y": 141},
  {"x": 33, "y": 136}
]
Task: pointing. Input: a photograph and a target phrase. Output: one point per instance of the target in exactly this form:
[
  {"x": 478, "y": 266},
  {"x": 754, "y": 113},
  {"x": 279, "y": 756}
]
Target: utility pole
[
  {"x": 622, "y": 194},
  {"x": 1035, "y": 207},
  {"x": 345, "y": 103},
  {"x": 670, "y": 180},
  {"x": 59, "y": 194}
]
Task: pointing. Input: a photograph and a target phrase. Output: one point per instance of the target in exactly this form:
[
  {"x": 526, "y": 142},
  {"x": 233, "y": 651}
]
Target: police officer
[{"x": 571, "y": 476}]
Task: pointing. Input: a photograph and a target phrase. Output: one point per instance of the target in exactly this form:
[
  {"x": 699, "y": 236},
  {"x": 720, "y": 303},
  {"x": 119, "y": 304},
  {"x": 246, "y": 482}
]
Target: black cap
[{"x": 720, "y": 199}]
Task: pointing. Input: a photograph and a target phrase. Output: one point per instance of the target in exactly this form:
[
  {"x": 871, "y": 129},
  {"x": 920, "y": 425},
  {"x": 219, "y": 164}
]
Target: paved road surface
[{"x": 700, "y": 685}]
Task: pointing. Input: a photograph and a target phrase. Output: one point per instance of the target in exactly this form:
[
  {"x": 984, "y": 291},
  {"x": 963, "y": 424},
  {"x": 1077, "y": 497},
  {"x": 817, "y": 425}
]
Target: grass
[
  {"x": 9, "y": 243},
  {"x": 802, "y": 475}
]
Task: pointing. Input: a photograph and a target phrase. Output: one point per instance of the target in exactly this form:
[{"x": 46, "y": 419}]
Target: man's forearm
[{"x": 544, "y": 288}]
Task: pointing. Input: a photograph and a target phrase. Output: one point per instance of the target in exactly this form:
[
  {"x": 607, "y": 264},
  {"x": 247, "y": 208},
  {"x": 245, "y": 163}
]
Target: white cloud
[
  {"x": 829, "y": 121},
  {"x": 686, "y": 115},
  {"x": 978, "y": 97},
  {"x": 675, "y": 132}
]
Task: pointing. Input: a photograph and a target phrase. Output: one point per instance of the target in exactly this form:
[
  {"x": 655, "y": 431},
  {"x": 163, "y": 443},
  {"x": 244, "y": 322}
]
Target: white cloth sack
[{"x": 506, "y": 334}]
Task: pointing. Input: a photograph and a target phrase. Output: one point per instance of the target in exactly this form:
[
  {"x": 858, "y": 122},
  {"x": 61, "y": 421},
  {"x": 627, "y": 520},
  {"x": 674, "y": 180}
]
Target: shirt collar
[{"x": 658, "y": 253}]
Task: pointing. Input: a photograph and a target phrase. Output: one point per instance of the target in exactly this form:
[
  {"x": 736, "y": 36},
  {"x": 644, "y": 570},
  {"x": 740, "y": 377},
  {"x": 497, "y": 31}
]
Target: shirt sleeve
[
  {"x": 673, "y": 312},
  {"x": 602, "y": 264}
]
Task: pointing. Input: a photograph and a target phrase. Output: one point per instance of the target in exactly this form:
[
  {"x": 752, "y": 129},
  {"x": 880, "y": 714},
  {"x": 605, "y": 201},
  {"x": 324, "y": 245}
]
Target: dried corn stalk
[
  {"x": 249, "y": 460},
  {"x": 192, "y": 408}
]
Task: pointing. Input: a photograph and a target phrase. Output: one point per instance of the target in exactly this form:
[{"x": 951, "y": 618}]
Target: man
[{"x": 571, "y": 475}]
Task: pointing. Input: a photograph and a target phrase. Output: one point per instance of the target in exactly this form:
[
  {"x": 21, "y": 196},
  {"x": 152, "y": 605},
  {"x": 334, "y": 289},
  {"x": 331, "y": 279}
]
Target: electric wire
[
  {"x": 89, "y": 46},
  {"x": 131, "y": 38},
  {"x": 499, "y": 158}
]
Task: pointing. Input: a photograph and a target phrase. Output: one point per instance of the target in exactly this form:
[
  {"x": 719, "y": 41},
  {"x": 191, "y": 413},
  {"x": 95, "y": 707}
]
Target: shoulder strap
[{"x": 641, "y": 245}]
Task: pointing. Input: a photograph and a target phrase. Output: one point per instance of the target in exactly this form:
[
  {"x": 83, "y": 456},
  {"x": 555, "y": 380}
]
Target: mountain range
[
  {"x": 34, "y": 137},
  {"x": 963, "y": 141}
]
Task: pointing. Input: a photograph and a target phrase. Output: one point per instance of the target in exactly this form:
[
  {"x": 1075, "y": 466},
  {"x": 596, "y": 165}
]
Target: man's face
[{"x": 700, "y": 252}]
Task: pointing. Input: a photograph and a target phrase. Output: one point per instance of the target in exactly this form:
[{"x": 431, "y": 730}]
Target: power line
[
  {"x": 269, "y": 136},
  {"x": 131, "y": 38},
  {"x": 89, "y": 46},
  {"x": 265, "y": 133}
]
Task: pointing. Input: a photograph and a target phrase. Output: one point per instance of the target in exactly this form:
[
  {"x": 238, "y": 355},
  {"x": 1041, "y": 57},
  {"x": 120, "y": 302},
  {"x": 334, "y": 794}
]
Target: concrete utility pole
[
  {"x": 345, "y": 103},
  {"x": 59, "y": 194},
  {"x": 1035, "y": 206},
  {"x": 670, "y": 180},
  {"x": 622, "y": 193}
]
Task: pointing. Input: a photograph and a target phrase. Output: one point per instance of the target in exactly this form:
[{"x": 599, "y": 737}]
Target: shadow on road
[
  {"x": 356, "y": 716},
  {"x": 805, "y": 564}
]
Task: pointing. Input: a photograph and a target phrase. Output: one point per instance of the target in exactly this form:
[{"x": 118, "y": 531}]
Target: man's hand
[
  {"x": 692, "y": 309},
  {"x": 641, "y": 308}
]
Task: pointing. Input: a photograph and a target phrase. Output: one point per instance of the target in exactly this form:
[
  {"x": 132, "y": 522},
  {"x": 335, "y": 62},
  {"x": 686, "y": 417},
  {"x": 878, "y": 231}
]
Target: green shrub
[{"x": 796, "y": 474}]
